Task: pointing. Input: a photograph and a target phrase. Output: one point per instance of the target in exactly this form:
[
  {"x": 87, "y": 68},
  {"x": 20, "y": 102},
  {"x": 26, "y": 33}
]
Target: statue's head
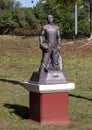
[{"x": 50, "y": 18}]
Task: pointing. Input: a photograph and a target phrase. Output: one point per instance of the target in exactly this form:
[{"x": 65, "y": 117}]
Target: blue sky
[{"x": 27, "y": 3}]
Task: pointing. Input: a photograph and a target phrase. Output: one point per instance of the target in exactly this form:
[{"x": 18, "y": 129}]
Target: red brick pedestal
[
  {"x": 49, "y": 108},
  {"x": 48, "y": 104}
]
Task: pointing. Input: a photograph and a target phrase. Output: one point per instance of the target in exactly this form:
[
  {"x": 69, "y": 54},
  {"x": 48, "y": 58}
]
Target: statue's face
[{"x": 50, "y": 18}]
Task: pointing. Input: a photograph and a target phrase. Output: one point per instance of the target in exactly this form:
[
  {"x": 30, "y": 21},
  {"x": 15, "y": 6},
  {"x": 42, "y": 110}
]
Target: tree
[
  {"x": 6, "y": 21},
  {"x": 40, "y": 12},
  {"x": 31, "y": 20},
  {"x": 12, "y": 16},
  {"x": 19, "y": 17},
  {"x": 79, "y": 1},
  {"x": 90, "y": 38},
  {"x": 63, "y": 16},
  {"x": 83, "y": 20},
  {"x": 9, "y": 4}
]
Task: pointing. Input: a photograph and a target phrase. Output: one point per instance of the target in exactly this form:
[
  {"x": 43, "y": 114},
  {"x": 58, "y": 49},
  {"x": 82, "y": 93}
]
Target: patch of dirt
[
  {"x": 24, "y": 45},
  {"x": 80, "y": 47}
]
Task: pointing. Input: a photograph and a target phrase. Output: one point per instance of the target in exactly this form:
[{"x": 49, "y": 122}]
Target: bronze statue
[
  {"x": 50, "y": 71},
  {"x": 51, "y": 46}
]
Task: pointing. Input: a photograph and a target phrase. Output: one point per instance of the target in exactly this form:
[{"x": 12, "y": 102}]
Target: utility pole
[{"x": 76, "y": 19}]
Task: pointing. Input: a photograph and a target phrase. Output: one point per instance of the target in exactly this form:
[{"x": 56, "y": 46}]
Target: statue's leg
[
  {"x": 45, "y": 61},
  {"x": 60, "y": 62},
  {"x": 55, "y": 56}
]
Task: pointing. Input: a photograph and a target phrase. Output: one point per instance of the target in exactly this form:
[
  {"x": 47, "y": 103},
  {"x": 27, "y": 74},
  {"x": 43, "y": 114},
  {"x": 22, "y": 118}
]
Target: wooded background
[{"x": 19, "y": 20}]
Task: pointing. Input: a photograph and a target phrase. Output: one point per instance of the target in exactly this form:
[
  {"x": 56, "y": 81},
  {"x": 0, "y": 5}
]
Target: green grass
[{"x": 19, "y": 57}]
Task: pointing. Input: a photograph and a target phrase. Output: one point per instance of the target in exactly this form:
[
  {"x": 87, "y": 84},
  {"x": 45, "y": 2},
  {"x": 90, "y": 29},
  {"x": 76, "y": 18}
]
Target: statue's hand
[{"x": 44, "y": 46}]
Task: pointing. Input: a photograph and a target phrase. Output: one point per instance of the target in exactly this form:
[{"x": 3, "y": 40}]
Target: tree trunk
[{"x": 90, "y": 38}]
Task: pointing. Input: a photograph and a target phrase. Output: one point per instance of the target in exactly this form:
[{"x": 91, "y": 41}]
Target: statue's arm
[
  {"x": 59, "y": 38},
  {"x": 41, "y": 36}
]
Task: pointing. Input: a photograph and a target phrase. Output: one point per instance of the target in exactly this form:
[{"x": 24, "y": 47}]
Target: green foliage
[
  {"x": 5, "y": 18},
  {"x": 40, "y": 12},
  {"x": 67, "y": 17},
  {"x": 31, "y": 20},
  {"x": 23, "y": 17},
  {"x": 83, "y": 28},
  {"x": 12, "y": 15},
  {"x": 83, "y": 21},
  {"x": 68, "y": 2},
  {"x": 64, "y": 16},
  {"x": 9, "y": 4},
  {"x": 17, "y": 17}
]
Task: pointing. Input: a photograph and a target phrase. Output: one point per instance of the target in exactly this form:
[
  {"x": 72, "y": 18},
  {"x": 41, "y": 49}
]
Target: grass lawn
[{"x": 19, "y": 57}]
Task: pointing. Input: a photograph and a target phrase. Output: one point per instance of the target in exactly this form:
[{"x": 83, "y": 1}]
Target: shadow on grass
[
  {"x": 78, "y": 96},
  {"x": 21, "y": 84},
  {"x": 21, "y": 111},
  {"x": 11, "y": 81}
]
